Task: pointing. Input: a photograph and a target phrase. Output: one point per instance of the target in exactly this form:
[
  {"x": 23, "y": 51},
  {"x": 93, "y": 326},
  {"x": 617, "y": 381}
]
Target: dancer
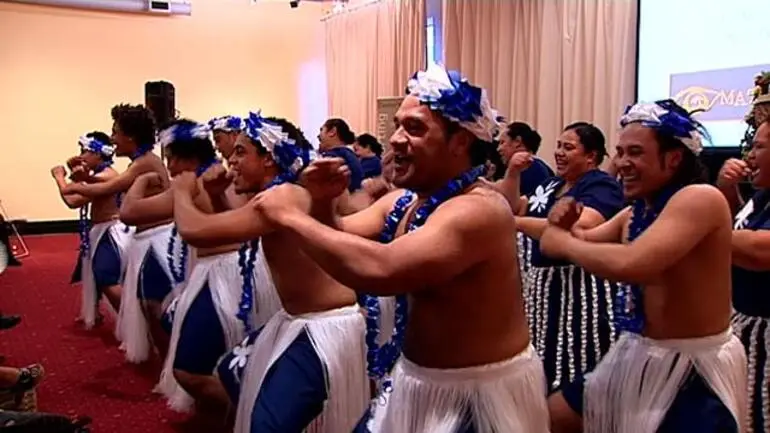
[
  {"x": 220, "y": 188},
  {"x": 450, "y": 247},
  {"x": 212, "y": 315},
  {"x": 102, "y": 239},
  {"x": 676, "y": 366},
  {"x": 225, "y": 130},
  {"x": 147, "y": 272},
  {"x": 520, "y": 137},
  {"x": 369, "y": 152},
  {"x": 305, "y": 367},
  {"x": 751, "y": 264},
  {"x": 334, "y": 138},
  {"x": 569, "y": 309}
]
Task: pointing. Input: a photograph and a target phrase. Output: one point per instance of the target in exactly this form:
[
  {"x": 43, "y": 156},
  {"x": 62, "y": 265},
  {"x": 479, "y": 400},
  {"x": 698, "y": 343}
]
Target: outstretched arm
[
  {"x": 455, "y": 238},
  {"x": 668, "y": 240},
  {"x": 751, "y": 249},
  {"x": 211, "y": 230}
]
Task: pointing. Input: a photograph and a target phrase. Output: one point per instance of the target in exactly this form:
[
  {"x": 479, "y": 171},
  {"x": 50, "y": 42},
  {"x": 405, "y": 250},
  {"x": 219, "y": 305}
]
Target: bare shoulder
[
  {"x": 479, "y": 209},
  {"x": 699, "y": 198}
]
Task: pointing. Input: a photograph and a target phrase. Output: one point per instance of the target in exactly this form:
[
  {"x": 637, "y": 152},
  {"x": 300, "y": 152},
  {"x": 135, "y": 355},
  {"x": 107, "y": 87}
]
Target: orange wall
[{"x": 62, "y": 69}]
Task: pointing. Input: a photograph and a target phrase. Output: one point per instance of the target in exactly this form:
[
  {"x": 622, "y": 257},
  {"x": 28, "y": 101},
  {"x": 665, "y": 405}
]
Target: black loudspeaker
[{"x": 160, "y": 100}]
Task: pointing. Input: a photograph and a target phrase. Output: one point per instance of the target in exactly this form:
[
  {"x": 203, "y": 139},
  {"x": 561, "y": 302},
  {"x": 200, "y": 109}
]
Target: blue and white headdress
[
  {"x": 450, "y": 94},
  {"x": 226, "y": 123},
  {"x": 669, "y": 118},
  {"x": 91, "y": 144},
  {"x": 182, "y": 131},
  {"x": 288, "y": 155}
]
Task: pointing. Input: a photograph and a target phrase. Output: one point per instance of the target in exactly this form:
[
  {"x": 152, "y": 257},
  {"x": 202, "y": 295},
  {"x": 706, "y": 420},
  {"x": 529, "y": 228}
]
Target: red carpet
[{"x": 85, "y": 372}]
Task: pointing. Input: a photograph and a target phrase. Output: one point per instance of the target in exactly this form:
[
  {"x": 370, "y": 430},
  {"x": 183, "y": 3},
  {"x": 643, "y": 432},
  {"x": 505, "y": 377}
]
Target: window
[
  {"x": 430, "y": 40},
  {"x": 433, "y": 43}
]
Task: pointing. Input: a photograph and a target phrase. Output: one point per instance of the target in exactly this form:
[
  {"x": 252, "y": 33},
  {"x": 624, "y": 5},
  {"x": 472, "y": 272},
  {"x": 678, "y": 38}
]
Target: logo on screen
[{"x": 723, "y": 94}]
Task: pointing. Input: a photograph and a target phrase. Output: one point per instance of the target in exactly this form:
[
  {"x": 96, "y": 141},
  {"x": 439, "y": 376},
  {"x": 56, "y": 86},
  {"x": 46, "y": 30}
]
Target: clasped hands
[{"x": 561, "y": 219}]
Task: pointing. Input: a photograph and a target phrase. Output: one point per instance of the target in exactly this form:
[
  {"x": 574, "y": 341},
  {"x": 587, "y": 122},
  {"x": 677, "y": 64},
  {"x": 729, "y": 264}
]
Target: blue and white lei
[
  {"x": 106, "y": 151},
  {"x": 290, "y": 157},
  {"x": 450, "y": 94},
  {"x": 668, "y": 118},
  {"x": 91, "y": 144},
  {"x": 182, "y": 131},
  {"x": 226, "y": 123}
]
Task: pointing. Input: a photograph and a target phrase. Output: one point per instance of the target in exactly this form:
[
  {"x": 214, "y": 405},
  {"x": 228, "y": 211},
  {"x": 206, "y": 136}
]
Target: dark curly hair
[{"x": 136, "y": 122}]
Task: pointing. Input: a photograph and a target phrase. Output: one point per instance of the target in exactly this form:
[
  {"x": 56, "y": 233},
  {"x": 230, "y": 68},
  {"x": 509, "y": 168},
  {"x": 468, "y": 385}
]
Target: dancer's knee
[{"x": 564, "y": 419}]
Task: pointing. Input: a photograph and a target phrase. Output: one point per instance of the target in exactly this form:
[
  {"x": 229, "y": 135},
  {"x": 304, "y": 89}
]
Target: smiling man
[
  {"x": 676, "y": 366},
  {"x": 448, "y": 249}
]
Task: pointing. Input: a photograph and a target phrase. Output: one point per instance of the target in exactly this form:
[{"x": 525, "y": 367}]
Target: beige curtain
[
  {"x": 547, "y": 62},
  {"x": 371, "y": 51}
]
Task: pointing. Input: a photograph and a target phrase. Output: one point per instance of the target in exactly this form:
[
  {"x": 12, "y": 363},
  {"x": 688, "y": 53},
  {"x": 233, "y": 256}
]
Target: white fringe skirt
[
  {"x": 338, "y": 339},
  {"x": 633, "y": 387},
  {"x": 89, "y": 293},
  {"x": 754, "y": 333},
  {"x": 222, "y": 274},
  {"x": 132, "y": 328},
  {"x": 507, "y": 396}
]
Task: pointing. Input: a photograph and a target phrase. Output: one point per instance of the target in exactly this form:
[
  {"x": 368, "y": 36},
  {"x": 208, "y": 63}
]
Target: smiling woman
[{"x": 569, "y": 310}]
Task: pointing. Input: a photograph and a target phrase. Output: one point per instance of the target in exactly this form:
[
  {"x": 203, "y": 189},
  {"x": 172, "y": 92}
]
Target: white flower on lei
[
  {"x": 742, "y": 217},
  {"x": 539, "y": 200},
  {"x": 240, "y": 356}
]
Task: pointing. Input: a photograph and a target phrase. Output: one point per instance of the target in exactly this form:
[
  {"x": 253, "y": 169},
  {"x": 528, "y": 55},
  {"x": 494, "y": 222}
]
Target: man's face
[
  {"x": 759, "y": 157},
  {"x": 124, "y": 145},
  {"x": 507, "y": 147},
  {"x": 178, "y": 165},
  {"x": 224, "y": 141},
  {"x": 360, "y": 151},
  {"x": 91, "y": 159},
  {"x": 326, "y": 137},
  {"x": 641, "y": 166},
  {"x": 420, "y": 146},
  {"x": 247, "y": 165}
]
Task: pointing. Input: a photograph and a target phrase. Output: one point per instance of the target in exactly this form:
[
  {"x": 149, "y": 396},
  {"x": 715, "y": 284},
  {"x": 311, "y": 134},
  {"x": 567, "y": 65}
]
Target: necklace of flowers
[
  {"x": 84, "y": 225},
  {"x": 629, "y": 298},
  {"x": 179, "y": 276},
  {"x": 247, "y": 256},
  {"x": 381, "y": 359}
]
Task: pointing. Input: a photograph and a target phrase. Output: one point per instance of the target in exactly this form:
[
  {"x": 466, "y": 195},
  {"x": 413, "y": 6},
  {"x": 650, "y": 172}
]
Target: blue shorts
[
  {"x": 201, "y": 339},
  {"x": 154, "y": 283},
  {"x": 106, "y": 264},
  {"x": 293, "y": 391},
  {"x": 696, "y": 408}
]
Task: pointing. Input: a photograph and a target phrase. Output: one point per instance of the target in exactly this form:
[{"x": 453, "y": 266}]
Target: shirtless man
[
  {"x": 225, "y": 130},
  {"x": 208, "y": 318},
  {"x": 449, "y": 246},
  {"x": 305, "y": 367},
  {"x": 147, "y": 277},
  {"x": 102, "y": 240},
  {"x": 676, "y": 366}
]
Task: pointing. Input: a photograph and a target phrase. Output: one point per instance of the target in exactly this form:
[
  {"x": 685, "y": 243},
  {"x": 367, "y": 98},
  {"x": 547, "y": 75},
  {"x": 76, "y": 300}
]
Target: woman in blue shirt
[
  {"x": 569, "y": 310},
  {"x": 369, "y": 152},
  {"x": 751, "y": 270}
]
